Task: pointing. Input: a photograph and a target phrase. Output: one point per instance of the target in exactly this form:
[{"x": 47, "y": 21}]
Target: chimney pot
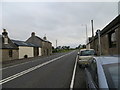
[
  {"x": 45, "y": 38},
  {"x": 5, "y": 36},
  {"x": 33, "y": 34},
  {"x": 4, "y": 33}
]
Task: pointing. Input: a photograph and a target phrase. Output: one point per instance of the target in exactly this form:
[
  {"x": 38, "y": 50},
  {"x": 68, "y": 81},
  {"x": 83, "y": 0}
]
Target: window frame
[{"x": 10, "y": 53}]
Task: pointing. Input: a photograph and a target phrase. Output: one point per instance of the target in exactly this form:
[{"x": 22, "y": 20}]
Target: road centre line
[
  {"x": 15, "y": 65},
  {"x": 29, "y": 70},
  {"x": 19, "y": 64},
  {"x": 73, "y": 76}
]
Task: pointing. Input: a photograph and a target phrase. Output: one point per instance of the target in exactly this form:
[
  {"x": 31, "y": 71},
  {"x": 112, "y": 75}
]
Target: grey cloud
[{"x": 60, "y": 21}]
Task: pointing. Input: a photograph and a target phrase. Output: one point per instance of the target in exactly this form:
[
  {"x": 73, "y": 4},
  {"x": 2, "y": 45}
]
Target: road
[{"x": 55, "y": 71}]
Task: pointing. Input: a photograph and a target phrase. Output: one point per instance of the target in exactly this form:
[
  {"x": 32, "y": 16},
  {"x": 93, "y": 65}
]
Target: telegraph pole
[
  {"x": 93, "y": 35},
  {"x": 56, "y": 43},
  {"x": 86, "y": 33}
]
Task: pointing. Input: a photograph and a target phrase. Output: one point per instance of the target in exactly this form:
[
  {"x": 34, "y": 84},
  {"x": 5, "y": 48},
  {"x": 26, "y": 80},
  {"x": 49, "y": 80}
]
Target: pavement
[{"x": 54, "y": 71}]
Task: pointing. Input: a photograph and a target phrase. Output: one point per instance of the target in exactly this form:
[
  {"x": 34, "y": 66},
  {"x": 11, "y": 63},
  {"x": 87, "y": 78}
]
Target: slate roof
[
  {"x": 36, "y": 40},
  {"x": 47, "y": 41},
  {"x": 42, "y": 39},
  {"x": 10, "y": 45},
  {"x": 39, "y": 38},
  {"x": 23, "y": 43}
]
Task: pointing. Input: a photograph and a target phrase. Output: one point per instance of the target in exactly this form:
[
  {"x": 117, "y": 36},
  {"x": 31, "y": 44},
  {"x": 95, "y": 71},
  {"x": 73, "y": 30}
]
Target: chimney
[
  {"x": 45, "y": 38},
  {"x": 92, "y": 28},
  {"x": 4, "y": 33},
  {"x": 5, "y": 36},
  {"x": 33, "y": 34}
]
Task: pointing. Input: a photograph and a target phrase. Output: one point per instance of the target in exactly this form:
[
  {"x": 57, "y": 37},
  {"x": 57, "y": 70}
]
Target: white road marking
[
  {"x": 19, "y": 64},
  {"x": 73, "y": 76},
  {"x": 15, "y": 65},
  {"x": 29, "y": 70}
]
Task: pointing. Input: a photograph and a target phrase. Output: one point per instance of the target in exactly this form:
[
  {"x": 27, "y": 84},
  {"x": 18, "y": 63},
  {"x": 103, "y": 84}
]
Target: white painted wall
[
  {"x": 40, "y": 52},
  {"x": 24, "y": 50}
]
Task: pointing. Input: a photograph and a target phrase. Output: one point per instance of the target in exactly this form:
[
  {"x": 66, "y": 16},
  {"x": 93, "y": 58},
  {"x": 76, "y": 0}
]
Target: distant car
[
  {"x": 102, "y": 73},
  {"x": 84, "y": 55}
]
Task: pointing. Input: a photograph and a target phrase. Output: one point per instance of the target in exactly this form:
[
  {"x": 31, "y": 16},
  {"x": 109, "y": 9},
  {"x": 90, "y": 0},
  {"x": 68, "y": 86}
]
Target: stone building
[
  {"x": 8, "y": 49},
  {"x": 26, "y": 50},
  {"x": 109, "y": 38},
  {"x": 47, "y": 47},
  {"x": 15, "y": 49},
  {"x": 44, "y": 44}
]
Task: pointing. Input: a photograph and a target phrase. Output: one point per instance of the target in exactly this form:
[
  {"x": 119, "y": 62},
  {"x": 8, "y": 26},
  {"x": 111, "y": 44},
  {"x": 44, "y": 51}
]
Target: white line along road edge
[
  {"x": 19, "y": 64},
  {"x": 29, "y": 70},
  {"x": 73, "y": 76}
]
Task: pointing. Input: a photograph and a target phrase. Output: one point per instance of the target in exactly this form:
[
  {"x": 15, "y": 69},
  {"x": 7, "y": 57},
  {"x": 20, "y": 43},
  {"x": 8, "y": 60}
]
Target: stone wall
[
  {"x": 6, "y": 56},
  {"x": 47, "y": 48},
  {"x": 118, "y": 38},
  {"x": 105, "y": 47},
  {"x": 106, "y": 34}
]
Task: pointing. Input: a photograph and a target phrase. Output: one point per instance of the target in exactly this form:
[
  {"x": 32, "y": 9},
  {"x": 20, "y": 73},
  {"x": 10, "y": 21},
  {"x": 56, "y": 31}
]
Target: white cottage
[{"x": 25, "y": 49}]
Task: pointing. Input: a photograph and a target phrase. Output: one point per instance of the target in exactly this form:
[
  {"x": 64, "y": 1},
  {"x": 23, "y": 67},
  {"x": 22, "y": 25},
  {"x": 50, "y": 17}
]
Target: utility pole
[
  {"x": 86, "y": 33},
  {"x": 56, "y": 43},
  {"x": 87, "y": 41}
]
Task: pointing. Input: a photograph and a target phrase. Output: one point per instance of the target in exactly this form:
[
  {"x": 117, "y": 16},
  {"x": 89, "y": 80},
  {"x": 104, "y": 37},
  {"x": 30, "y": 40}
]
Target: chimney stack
[
  {"x": 4, "y": 33},
  {"x": 92, "y": 28},
  {"x": 33, "y": 34},
  {"x": 45, "y": 38},
  {"x": 5, "y": 36}
]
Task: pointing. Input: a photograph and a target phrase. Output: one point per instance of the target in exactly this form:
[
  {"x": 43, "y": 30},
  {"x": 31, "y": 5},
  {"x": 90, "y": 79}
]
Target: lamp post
[
  {"x": 86, "y": 31},
  {"x": 56, "y": 43}
]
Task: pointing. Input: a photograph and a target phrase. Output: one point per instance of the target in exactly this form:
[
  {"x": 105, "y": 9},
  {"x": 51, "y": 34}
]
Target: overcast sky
[{"x": 61, "y": 21}]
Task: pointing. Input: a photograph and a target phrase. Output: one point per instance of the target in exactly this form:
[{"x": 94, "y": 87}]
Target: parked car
[
  {"x": 84, "y": 55},
  {"x": 102, "y": 73}
]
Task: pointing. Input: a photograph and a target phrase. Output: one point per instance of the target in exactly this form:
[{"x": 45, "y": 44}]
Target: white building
[{"x": 27, "y": 50}]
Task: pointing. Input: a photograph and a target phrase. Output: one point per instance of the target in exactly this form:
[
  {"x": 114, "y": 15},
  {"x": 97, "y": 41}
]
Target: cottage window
[
  {"x": 112, "y": 39},
  {"x": 10, "y": 53}
]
